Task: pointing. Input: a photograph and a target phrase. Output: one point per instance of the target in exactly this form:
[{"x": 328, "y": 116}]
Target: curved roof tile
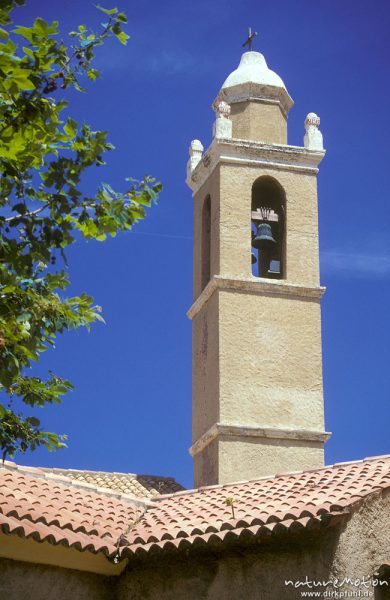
[{"x": 45, "y": 506}]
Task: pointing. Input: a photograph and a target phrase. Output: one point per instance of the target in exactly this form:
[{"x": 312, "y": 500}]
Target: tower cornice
[
  {"x": 244, "y": 152},
  {"x": 234, "y": 431},
  {"x": 254, "y": 92},
  {"x": 254, "y": 285}
]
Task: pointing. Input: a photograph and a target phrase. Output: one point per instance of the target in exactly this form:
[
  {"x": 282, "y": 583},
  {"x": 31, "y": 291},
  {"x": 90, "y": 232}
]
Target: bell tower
[{"x": 257, "y": 366}]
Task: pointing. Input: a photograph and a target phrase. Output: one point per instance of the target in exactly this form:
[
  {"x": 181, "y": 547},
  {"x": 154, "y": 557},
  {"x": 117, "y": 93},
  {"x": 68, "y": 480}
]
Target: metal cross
[{"x": 251, "y": 37}]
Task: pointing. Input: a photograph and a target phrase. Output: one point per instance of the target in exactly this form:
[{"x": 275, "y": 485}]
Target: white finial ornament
[
  {"x": 196, "y": 151},
  {"x": 223, "y": 110},
  {"x": 222, "y": 127},
  {"x": 313, "y": 136}
]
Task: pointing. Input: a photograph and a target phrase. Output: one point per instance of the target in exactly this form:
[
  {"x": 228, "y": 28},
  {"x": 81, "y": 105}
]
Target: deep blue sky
[{"x": 131, "y": 410}]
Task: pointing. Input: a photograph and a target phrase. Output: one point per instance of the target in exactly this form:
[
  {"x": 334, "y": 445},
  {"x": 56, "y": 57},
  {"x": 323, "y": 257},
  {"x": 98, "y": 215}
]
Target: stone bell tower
[{"x": 257, "y": 366}]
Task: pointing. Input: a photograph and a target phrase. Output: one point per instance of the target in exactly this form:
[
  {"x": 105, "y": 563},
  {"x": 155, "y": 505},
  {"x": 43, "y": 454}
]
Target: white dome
[{"x": 253, "y": 69}]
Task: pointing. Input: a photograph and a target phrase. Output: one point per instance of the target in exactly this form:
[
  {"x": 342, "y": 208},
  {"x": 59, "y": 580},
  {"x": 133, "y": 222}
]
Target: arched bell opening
[
  {"x": 268, "y": 228},
  {"x": 206, "y": 242}
]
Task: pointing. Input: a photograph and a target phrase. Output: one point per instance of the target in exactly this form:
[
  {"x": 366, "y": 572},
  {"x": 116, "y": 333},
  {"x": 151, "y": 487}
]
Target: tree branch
[{"x": 31, "y": 213}]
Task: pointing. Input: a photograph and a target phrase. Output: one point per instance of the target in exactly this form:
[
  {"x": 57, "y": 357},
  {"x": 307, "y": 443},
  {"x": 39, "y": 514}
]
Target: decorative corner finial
[
  {"x": 312, "y": 119},
  {"x": 250, "y": 38},
  {"x": 313, "y": 136},
  {"x": 222, "y": 109},
  {"x": 222, "y": 127},
  {"x": 195, "y": 151}
]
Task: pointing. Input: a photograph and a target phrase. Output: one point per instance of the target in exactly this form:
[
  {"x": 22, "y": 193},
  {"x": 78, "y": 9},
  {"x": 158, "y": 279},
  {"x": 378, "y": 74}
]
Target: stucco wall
[
  {"x": 270, "y": 361},
  {"x": 206, "y": 465},
  {"x": 257, "y": 362},
  {"x": 257, "y": 575},
  {"x": 230, "y": 189},
  {"x": 259, "y": 121},
  {"x": 364, "y": 543},
  {"x": 302, "y": 258},
  {"x": 210, "y": 188},
  {"x": 258, "y": 457},
  {"x": 205, "y": 369},
  {"x": 27, "y": 581}
]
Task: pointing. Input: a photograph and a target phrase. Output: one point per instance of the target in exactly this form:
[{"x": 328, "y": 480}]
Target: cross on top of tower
[{"x": 250, "y": 38}]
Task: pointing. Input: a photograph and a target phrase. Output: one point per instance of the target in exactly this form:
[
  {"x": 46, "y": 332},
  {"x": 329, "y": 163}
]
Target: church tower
[{"x": 257, "y": 366}]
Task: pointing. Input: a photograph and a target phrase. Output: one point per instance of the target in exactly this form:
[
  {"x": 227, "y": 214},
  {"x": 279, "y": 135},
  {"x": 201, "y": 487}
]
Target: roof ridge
[
  {"x": 93, "y": 472},
  {"x": 269, "y": 477},
  {"x": 106, "y": 492}
]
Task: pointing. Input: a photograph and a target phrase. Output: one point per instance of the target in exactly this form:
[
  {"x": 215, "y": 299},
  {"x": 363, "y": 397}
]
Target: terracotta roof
[
  {"x": 264, "y": 507},
  {"x": 141, "y": 486},
  {"x": 39, "y": 505},
  {"x": 42, "y": 505}
]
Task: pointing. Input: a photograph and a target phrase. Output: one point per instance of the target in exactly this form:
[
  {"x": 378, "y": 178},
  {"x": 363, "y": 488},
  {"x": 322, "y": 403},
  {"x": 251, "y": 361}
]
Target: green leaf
[
  {"x": 26, "y": 32},
  {"x": 7, "y": 289},
  {"x": 20, "y": 77},
  {"x": 41, "y": 28},
  {"x": 108, "y": 11},
  {"x": 122, "y": 37},
  {"x": 93, "y": 74},
  {"x": 29, "y": 52},
  {"x": 78, "y": 87},
  {"x": 70, "y": 128}
]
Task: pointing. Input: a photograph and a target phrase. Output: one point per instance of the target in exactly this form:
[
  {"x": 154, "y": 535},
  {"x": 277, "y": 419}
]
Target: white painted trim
[
  {"x": 262, "y": 287},
  {"x": 221, "y": 430}
]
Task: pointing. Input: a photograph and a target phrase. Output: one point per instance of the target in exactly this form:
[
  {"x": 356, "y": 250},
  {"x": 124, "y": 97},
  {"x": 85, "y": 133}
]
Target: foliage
[
  {"x": 43, "y": 157},
  {"x": 231, "y": 502}
]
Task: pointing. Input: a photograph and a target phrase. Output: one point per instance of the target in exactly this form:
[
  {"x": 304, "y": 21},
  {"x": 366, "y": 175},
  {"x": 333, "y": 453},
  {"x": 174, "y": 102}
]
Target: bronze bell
[{"x": 264, "y": 238}]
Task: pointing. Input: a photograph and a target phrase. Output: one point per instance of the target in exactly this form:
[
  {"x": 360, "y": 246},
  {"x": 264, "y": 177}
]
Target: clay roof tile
[{"x": 81, "y": 510}]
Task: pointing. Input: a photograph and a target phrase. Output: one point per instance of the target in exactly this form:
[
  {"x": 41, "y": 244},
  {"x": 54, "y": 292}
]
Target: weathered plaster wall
[
  {"x": 364, "y": 543},
  {"x": 210, "y": 188},
  {"x": 302, "y": 258},
  {"x": 255, "y": 575},
  {"x": 230, "y": 189},
  {"x": 258, "y": 121},
  {"x": 205, "y": 369},
  {"x": 241, "y": 458},
  {"x": 28, "y": 581},
  {"x": 206, "y": 465},
  {"x": 270, "y": 361},
  {"x": 257, "y": 362}
]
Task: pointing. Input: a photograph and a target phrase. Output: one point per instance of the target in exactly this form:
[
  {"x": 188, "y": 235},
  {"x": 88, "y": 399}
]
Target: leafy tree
[{"x": 42, "y": 209}]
